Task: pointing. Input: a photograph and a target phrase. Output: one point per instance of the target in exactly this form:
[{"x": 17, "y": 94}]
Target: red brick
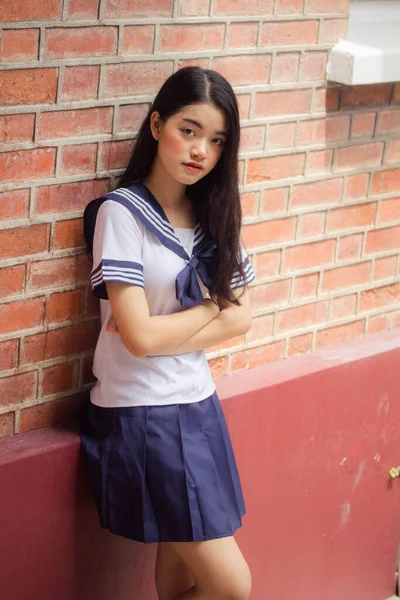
[
  {"x": 242, "y": 7},
  {"x": 274, "y": 201},
  {"x": 385, "y": 267},
  {"x": 131, "y": 116},
  {"x": 252, "y": 138},
  {"x": 305, "y": 286},
  {"x": 396, "y": 93},
  {"x": 68, "y": 197},
  {"x": 7, "y": 425},
  {"x": 384, "y": 182},
  {"x": 18, "y": 388},
  {"x": 80, "y": 42},
  {"x": 269, "y": 294},
  {"x": 135, "y": 78},
  {"x": 328, "y": 6},
  {"x": 255, "y": 357},
  {"x": 266, "y": 264},
  {"x": 59, "y": 378},
  {"x": 396, "y": 319},
  {"x": 360, "y": 215},
  {"x": 243, "y": 35},
  {"x": 59, "y": 271},
  {"x": 79, "y": 158},
  {"x": 9, "y": 354},
  {"x": 218, "y": 366},
  {"x": 68, "y": 234},
  {"x": 393, "y": 151},
  {"x": 389, "y": 210},
  {"x": 30, "y": 10},
  {"x": 388, "y": 122},
  {"x": 12, "y": 280},
  {"x": 88, "y": 376},
  {"x": 289, "y": 33},
  {"x": 281, "y": 135},
  {"x": 61, "y": 342},
  {"x": 363, "y": 125},
  {"x": 138, "y": 39},
  {"x": 341, "y": 333},
  {"x": 381, "y": 240},
  {"x": 332, "y": 30},
  {"x": 344, "y": 306},
  {"x": 71, "y": 123},
  {"x": 311, "y": 225},
  {"x": 289, "y": 7},
  {"x": 236, "y": 341},
  {"x": 365, "y": 95},
  {"x": 319, "y": 193},
  {"x": 63, "y": 306},
  {"x": 14, "y": 205},
  {"x": 133, "y": 9},
  {"x": 285, "y": 102},
  {"x": 194, "y": 62},
  {"x": 116, "y": 155},
  {"x": 23, "y": 165},
  {"x": 302, "y": 316},
  {"x": 319, "y": 161},
  {"x": 269, "y": 232},
  {"x": 318, "y": 131},
  {"x": 350, "y": 246},
  {"x": 178, "y": 38},
  {"x": 244, "y": 101},
  {"x": 24, "y": 241},
  {"x": 249, "y": 69},
  {"x": 306, "y": 256},
  {"x": 28, "y": 86},
  {"x": 285, "y": 67},
  {"x": 356, "y": 186},
  {"x": 19, "y": 45},
  {"x": 83, "y": 9},
  {"x": 80, "y": 83},
  {"x": 262, "y": 327},
  {"x": 300, "y": 344},
  {"x": 343, "y": 277},
  {"x": 16, "y": 128},
  {"x": 50, "y": 413},
  {"x": 275, "y": 167},
  {"x": 363, "y": 155},
  {"x": 380, "y": 297},
  {"x": 249, "y": 203},
  {"x": 378, "y": 323},
  {"x": 313, "y": 66},
  {"x": 326, "y": 99},
  {"x": 193, "y": 8},
  {"x": 24, "y": 314}
]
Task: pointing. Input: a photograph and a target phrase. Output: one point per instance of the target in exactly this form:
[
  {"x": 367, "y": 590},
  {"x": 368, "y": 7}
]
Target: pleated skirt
[{"x": 163, "y": 473}]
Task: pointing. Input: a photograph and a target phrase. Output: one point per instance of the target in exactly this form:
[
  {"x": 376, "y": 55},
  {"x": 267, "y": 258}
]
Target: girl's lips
[{"x": 193, "y": 168}]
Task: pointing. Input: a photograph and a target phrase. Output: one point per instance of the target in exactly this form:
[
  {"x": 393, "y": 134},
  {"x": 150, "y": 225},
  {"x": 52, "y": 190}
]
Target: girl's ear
[{"x": 155, "y": 124}]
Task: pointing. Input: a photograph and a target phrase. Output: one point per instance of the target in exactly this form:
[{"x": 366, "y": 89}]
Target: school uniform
[{"x": 157, "y": 448}]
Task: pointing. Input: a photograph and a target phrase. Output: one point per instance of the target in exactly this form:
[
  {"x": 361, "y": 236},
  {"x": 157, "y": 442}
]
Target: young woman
[{"x": 157, "y": 447}]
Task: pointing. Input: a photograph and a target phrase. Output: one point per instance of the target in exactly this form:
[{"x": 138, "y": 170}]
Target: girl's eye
[
  {"x": 218, "y": 142},
  {"x": 187, "y": 130}
]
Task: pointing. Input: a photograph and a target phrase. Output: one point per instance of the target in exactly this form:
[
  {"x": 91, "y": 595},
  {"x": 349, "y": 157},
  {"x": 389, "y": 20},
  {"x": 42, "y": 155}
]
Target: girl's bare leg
[
  {"x": 172, "y": 575},
  {"x": 219, "y": 569}
]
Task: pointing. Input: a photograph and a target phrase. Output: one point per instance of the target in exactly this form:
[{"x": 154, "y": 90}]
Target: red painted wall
[{"x": 315, "y": 437}]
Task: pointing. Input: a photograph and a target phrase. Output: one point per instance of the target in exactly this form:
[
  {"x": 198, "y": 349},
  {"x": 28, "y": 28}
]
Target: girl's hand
[{"x": 112, "y": 326}]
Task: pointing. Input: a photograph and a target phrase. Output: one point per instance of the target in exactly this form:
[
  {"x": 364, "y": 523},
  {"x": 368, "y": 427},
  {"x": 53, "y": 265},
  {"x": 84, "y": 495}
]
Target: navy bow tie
[{"x": 203, "y": 261}]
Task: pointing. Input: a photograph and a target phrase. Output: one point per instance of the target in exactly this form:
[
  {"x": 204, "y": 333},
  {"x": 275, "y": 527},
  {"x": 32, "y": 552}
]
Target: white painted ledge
[{"x": 371, "y": 53}]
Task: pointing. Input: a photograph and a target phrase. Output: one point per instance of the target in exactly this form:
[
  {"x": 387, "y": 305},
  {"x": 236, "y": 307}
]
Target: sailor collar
[{"x": 138, "y": 199}]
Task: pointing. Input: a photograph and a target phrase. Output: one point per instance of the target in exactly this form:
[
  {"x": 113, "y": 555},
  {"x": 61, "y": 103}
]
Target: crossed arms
[{"x": 196, "y": 328}]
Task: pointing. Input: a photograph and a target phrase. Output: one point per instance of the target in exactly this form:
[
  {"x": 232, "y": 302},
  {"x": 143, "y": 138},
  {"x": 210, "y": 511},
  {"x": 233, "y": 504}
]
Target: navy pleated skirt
[{"x": 163, "y": 473}]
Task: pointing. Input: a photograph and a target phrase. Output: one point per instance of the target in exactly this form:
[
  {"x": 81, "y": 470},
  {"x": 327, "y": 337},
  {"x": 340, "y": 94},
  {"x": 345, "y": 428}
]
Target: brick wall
[{"x": 320, "y": 175}]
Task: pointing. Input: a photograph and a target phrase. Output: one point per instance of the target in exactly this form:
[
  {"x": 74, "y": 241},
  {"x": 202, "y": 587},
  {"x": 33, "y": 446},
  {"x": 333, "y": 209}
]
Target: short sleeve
[
  {"x": 117, "y": 248},
  {"x": 238, "y": 281}
]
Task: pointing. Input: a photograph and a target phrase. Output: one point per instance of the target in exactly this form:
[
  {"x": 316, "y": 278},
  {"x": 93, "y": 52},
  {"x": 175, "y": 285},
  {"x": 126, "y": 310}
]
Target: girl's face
[{"x": 190, "y": 142}]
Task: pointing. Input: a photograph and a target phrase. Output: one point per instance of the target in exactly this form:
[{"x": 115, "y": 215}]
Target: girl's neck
[{"x": 168, "y": 192}]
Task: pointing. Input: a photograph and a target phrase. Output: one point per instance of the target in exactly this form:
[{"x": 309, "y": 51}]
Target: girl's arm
[
  {"x": 231, "y": 321},
  {"x": 143, "y": 334}
]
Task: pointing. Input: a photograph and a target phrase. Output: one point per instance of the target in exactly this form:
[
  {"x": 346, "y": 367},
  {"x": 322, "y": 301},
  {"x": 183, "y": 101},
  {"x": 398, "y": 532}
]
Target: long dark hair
[{"x": 215, "y": 197}]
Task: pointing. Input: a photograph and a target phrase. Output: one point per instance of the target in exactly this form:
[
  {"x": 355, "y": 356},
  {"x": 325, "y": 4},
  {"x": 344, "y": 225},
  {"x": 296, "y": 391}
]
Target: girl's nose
[{"x": 199, "y": 151}]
